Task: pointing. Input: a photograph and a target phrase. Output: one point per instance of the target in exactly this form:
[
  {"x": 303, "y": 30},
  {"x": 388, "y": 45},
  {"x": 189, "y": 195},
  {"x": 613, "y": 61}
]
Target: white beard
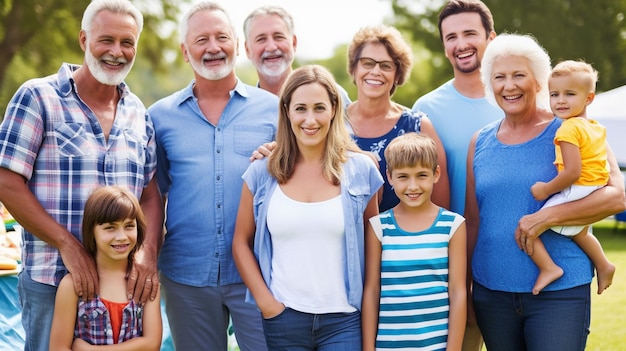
[
  {"x": 274, "y": 69},
  {"x": 100, "y": 72},
  {"x": 212, "y": 73}
]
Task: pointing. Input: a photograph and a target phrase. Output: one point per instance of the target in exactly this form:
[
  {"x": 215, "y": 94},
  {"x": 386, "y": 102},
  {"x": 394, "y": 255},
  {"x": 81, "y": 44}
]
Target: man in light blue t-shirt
[{"x": 459, "y": 108}]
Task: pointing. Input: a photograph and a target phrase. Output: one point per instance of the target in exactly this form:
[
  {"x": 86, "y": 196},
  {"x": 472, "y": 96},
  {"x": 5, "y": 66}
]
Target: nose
[
  {"x": 271, "y": 45},
  {"x": 116, "y": 49},
  {"x": 213, "y": 46},
  {"x": 509, "y": 83}
]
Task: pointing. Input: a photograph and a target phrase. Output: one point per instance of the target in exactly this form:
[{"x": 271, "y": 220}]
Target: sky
[{"x": 320, "y": 25}]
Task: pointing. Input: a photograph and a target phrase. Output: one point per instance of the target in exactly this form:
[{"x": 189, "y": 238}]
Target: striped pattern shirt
[
  {"x": 54, "y": 140},
  {"x": 414, "y": 302}
]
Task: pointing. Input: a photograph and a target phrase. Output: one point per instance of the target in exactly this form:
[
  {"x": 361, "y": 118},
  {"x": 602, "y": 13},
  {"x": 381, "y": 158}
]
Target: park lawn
[{"x": 608, "y": 311}]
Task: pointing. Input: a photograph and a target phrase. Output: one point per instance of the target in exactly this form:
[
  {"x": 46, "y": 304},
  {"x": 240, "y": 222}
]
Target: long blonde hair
[{"x": 282, "y": 162}]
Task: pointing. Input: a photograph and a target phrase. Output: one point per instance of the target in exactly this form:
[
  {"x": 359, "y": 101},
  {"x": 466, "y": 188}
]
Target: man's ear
[{"x": 82, "y": 39}]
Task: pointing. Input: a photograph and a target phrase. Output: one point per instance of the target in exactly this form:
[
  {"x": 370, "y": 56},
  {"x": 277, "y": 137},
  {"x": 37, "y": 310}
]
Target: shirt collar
[
  {"x": 187, "y": 92},
  {"x": 67, "y": 84}
]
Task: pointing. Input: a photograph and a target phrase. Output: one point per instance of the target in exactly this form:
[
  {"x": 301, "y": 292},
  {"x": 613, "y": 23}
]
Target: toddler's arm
[{"x": 571, "y": 172}]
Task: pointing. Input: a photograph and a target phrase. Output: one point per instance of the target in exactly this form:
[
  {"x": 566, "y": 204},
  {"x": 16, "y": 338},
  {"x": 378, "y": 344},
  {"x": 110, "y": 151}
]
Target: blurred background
[{"x": 37, "y": 35}]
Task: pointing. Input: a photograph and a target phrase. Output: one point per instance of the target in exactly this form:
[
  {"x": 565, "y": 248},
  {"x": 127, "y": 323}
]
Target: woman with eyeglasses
[{"x": 380, "y": 60}]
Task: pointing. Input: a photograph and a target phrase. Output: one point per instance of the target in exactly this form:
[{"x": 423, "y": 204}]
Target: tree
[
  {"x": 567, "y": 29},
  {"x": 37, "y": 35}
]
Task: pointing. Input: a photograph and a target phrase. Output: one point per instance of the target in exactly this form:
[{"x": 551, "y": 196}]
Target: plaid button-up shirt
[
  {"x": 53, "y": 139},
  {"x": 93, "y": 322}
]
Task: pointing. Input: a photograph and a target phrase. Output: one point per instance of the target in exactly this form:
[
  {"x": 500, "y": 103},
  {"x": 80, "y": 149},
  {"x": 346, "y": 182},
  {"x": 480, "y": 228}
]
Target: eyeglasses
[{"x": 369, "y": 63}]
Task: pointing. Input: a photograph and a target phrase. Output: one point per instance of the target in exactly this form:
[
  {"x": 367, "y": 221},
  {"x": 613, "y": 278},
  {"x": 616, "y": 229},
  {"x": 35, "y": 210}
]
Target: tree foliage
[
  {"x": 37, "y": 35},
  {"x": 567, "y": 29}
]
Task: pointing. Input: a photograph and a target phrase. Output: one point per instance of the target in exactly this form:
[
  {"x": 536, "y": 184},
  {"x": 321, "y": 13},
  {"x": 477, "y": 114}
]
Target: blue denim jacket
[{"x": 360, "y": 181}]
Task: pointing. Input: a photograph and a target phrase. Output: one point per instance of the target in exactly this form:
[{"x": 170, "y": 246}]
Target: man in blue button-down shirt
[{"x": 205, "y": 134}]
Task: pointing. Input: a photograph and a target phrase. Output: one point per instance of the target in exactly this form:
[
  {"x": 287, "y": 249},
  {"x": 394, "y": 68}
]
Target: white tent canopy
[{"x": 609, "y": 108}]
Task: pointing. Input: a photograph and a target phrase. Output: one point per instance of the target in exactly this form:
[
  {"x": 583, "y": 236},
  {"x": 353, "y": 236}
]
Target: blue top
[
  {"x": 408, "y": 122},
  {"x": 456, "y": 119},
  {"x": 199, "y": 169},
  {"x": 414, "y": 282},
  {"x": 503, "y": 176},
  {"x": 55, "y": 141},
  {"x": 360, "y": 181}
]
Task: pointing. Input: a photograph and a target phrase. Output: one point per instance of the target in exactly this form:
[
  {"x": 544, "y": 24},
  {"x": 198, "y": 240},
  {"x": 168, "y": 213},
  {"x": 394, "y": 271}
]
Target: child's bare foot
[
  {"x": 605, "y": 277},
  {"x": 547, "y": 276}
]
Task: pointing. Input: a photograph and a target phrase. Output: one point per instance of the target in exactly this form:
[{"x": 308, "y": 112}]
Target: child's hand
[{"x": 538, "y": 191}]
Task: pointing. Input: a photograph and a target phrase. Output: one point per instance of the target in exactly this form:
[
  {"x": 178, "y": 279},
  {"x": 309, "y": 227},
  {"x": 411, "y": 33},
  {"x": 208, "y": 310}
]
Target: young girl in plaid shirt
[{"x": 113, "y": 229}]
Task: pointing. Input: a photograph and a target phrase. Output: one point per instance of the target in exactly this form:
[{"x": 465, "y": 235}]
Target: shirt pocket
[
  {"x": 92, "y": 324},
  {"x": 135, "y": 146},
  {"x": 71, "y": 140},
  {"x": 359, "y": 195},
  {"x": 248, "y": 138}
]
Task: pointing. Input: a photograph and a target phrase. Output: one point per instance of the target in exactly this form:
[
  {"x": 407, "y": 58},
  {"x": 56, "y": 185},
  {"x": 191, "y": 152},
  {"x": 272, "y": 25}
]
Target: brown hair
[
  {"x": 409, "y": 150},
  {"x": 282, "y": 161},
  {"x": 397, "y": 47},
  {"x": 111, "y": 204},
  {"x": 454, "y": 7}
]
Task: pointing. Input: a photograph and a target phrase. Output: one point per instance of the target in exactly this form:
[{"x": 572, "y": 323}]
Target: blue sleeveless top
[
  {"x": 410, "y": 121},
  {"x": 503, "y": 176}
]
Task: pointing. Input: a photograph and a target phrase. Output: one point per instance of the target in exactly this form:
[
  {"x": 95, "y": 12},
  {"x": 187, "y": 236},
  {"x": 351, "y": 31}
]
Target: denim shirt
[
  {"x": 93, "y": 322},
  {"x": 199, "y": 168},
  {"x": 360, "y": 182}
]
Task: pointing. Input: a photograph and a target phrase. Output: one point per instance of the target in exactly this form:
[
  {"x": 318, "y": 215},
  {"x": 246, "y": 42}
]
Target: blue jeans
[
  {"x": 198, "y": 316},
  {"x": 298, "y": 331},
  {"x": 552, "y": 320},
  {"x": 37, "y": 302}
]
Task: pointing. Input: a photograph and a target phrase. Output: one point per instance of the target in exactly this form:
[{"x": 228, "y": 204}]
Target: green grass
[{"x": 608, "y": 311}]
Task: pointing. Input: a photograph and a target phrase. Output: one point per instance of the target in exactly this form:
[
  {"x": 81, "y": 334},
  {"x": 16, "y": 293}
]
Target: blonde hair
[
  {"x": 410, "y": 150},
  {"x": 282, "y": 162},
  {"x": 578, "y": 69},
  {"x": 397, "y": 47}
]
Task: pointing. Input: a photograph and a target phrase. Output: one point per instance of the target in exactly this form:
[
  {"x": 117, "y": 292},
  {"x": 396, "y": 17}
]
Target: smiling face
[
  {"x": 514, "y": 85},
  {"x": 210, "y": 45},
  {"x": 270, "y": 46},
  {"x": 464, "y": 41},
  {"x": 110, "y": 46},
  {"x": 413, "y": 185},
  {"x": 311, "y": 113},
  {"x": 115, "y": 240},
  {"x": 569, "y": 96},
  {"x": 374, "y": 82}
]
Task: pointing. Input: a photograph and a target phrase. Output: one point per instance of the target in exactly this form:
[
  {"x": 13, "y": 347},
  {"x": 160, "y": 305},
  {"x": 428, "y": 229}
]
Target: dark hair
[
  {"x": 454, "y": 7},
  {"x": 111, "y": 204}
]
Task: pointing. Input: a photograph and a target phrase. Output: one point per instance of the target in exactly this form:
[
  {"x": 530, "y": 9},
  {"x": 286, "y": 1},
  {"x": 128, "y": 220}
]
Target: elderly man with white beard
[{"x": 62, "y": 137}]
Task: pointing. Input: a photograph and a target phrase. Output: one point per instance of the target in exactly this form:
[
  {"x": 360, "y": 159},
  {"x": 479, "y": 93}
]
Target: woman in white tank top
[{"x": 298, "y": 241}]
